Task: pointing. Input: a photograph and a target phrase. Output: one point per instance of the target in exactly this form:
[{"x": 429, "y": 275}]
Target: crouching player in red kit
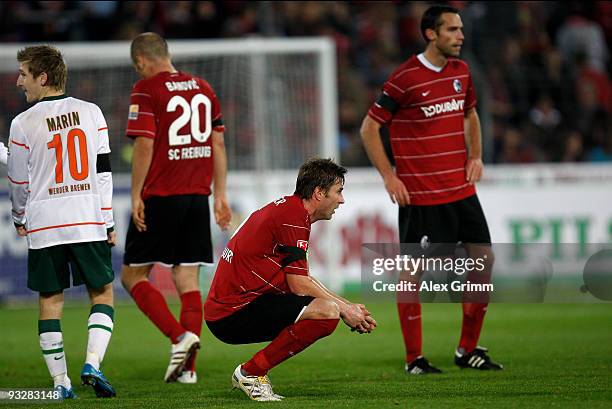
[{"x": 262, "y": 290}]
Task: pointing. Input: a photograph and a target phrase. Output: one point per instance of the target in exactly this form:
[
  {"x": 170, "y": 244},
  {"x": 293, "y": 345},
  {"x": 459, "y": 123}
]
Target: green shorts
[{"x": 90, "y": 263}]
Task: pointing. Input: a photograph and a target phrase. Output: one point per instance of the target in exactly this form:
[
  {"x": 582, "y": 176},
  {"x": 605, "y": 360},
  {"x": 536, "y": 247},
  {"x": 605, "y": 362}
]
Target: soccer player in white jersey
[{"x": 61, "y": 192}]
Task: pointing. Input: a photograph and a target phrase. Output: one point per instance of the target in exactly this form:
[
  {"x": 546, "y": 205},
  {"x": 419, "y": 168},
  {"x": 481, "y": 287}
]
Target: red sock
[
  {"x": 292, "y": 340},
  {"x": 473, "y": 317},
  {"x": 410, "y": 321},
  {"x": 191, "y": 319},
  {"x": 152, "y": 303}
]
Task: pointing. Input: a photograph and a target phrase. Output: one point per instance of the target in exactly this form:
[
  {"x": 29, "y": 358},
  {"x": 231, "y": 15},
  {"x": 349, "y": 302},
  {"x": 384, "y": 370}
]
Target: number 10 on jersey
[{"x": 74, "y": 135}]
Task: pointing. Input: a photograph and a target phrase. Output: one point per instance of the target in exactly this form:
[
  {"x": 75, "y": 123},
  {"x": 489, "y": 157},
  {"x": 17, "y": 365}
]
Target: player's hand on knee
[
  {"x": 352, "y": 316},
  {"x": 359, "y": 329},
  {"x": 366, "y": 326},
  {"x": 364, "y": 309},
  {"x": 370, "y": 323}
]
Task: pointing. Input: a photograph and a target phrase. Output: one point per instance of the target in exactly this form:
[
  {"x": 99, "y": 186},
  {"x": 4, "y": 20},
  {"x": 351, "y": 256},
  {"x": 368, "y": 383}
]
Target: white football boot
[
  {"x": 257, "y": 388},
  {"x": 179, "y": 354},
  {"x": 188, "y": 377}
]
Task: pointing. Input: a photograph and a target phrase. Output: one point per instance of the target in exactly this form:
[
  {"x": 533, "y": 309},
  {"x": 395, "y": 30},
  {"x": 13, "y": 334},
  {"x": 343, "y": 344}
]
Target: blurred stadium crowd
[{"x": 541, "y": 69}]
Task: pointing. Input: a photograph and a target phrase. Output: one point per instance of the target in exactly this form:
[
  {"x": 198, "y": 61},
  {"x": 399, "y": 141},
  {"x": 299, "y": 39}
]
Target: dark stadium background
[{"x": 541, "y": 68}]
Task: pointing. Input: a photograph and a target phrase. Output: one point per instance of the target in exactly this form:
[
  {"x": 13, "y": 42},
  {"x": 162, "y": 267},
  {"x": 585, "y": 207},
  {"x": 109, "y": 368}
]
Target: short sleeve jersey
[
  {"x": 52, "y": 170},
  {"x": 179, "y": 112},
  {"x": 251, "y": 264},
  {"x": 424, "y": 110}
]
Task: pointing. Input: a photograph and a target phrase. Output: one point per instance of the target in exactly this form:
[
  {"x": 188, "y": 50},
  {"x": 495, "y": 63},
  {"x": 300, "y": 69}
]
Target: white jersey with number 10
[{"x": 56, "y": 190}]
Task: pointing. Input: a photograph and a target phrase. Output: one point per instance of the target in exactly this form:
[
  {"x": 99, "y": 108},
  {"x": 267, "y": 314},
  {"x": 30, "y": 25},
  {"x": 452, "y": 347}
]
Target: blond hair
[{"x": 47, "y": 59}]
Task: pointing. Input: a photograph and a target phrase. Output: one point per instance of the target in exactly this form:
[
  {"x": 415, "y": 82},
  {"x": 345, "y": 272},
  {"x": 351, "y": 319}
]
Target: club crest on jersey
[
  {"x": 133, "y": 115},
  {"x": 457, "y": 86},
  {"x": 302, "y": 244}
]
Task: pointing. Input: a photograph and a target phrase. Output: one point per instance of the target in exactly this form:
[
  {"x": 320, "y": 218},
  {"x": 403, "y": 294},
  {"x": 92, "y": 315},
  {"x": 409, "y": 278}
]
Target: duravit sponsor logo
[{"x": 453, "y": 105}]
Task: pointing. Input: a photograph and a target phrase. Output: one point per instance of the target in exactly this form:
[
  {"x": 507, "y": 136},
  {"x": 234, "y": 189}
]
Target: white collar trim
[{"x": 427, "y": 64}]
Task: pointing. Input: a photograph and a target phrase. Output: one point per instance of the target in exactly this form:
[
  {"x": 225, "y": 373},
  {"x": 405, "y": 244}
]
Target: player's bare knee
[
  {"x": 186, "y": 278},
  {"x": 102, "y": 295},
  {"x": 335, "y": 311},
  {"x": 486, "y": 258},
  {"x": 132, "y": 275},
  {"x": 329, "y": 310},
  {"x": 321, "y": 309},
  {"x": 51, "y": 305},
  {"x": 483, "y": 253},
  {"x": 126, "y": 281}
]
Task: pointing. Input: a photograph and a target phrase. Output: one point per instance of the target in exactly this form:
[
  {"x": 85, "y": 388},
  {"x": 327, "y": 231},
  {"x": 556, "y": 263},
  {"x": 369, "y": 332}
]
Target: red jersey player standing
[
  {"x": 262, "y": 290},
  {"x": 175, "y": 119},
  {"x": 429, "y": 105}
]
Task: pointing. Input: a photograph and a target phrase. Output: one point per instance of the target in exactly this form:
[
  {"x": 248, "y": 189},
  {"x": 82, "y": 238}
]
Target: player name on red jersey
[
  {"x": 182, "y": 85},
  {"x": 180, "y": 112}
]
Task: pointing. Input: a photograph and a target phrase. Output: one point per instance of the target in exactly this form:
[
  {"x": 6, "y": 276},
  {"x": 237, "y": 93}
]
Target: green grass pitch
[{"x": 555, "y": 355}]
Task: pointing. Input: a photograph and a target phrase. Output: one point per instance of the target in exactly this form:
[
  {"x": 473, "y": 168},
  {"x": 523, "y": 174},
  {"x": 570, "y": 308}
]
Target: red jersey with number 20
[
  {"x": 250, "y": 265},
  {"x": 179, "y": 112}
]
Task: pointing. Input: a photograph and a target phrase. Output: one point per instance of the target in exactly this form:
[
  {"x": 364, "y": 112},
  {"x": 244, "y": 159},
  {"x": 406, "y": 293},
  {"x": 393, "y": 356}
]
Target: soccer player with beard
[
  {"x": 429, "y": 105},
  {"x": 262, "y": 289}
]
